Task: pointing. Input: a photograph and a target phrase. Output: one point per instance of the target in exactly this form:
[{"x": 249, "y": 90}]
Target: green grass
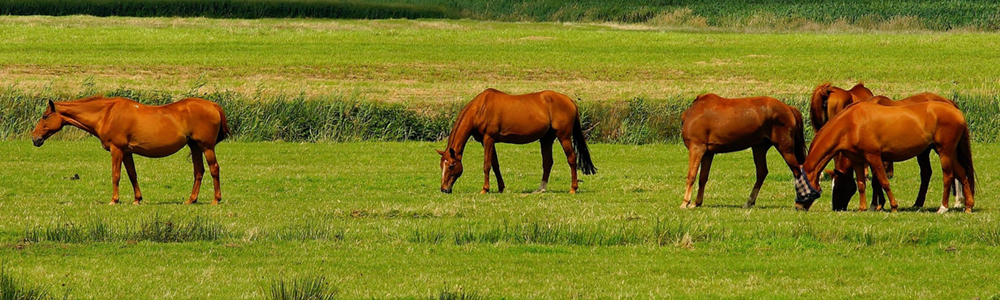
[
  {"x": 369, "y": 219},
  {"x": 452, "y": 61}
]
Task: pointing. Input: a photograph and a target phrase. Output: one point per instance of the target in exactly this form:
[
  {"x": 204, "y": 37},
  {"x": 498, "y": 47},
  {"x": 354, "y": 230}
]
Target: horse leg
[
  {"x": 924, "y": 161},
  {"x": 567, "y": 144},
  {"x": 860, "y": 181},
  {"x": 546, "y": 142},
  {"x": 496, "y": 170},
  {"x": 213, "y": 167},
  {"x": 962, "y": 177},
  {"x": 695, "y": 152},
  {"x": 843, "y": 184},
  {"x": 488, "y": 147},
  {"x": 959, "y": 194},
  {"x": 878, "y": 196},
  {"x": 116, "y": 172},
  {"x": 760, "y": 161},
  {"x": 947, "y": 172},
  {"x": 889, "y": 169},
  {"x": 130, "y": 169},
  {"x": 199, "y": 171},
  {"x": 706, "y": 166},
  {"x": 878, "y": 172}
]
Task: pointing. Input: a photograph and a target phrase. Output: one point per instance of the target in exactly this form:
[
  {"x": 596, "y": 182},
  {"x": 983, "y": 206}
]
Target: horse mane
[
  {"x": 91, "y": 98},
  {"x": 705, "y": 96}
]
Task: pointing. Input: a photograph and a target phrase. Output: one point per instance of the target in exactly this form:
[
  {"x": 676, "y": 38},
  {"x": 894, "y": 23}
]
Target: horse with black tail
[{"x": 496, "y": 117}]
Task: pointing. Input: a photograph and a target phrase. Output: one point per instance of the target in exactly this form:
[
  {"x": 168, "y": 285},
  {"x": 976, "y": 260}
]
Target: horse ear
[
  {"x": 451, "y": 151},
  {"x": 52, "y": 106},
  {"x": 439, "y": 152}
]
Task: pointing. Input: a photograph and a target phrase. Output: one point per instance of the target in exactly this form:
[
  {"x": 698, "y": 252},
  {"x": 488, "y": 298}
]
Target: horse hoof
[
  {"x": 136, "y": 202},
  {"x": 113, "y": 202},
  {"x": 894, "y": 209},
  {"x": 216, "y": 202},
  {"x": 484, "y": 191},
  {"x": 747, "y": 205},
  {"x": 573, "y": 192},
  {"x": 943, "y": 209},
  {"x": 538, "y": 191},
  {"x": 192, "y": 201},
  {"x": 958, "y": 205},
  {"x": 684, "y": 205}
]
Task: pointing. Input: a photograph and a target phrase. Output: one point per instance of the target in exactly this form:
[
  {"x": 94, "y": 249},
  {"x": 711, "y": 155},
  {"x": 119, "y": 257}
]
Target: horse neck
[
  {"x": 823, "y": 148},
  {"x": 84, "y": 115},
  {"x": 461, "y": 132}
]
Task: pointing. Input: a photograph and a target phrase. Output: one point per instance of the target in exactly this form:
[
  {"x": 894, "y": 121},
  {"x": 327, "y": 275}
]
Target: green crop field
[
  {"x": 331, "y": 180},
  {"x": 368, "y": 217}
]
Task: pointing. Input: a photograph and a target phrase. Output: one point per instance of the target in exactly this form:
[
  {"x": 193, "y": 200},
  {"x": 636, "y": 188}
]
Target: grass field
[
  {"x": 451, "y": 61},
  {"x": 376, "y": 226},
  {"x": 367, "y": 217}
]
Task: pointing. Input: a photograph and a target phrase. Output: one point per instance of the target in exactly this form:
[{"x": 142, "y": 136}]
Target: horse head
[
  {"x": 52, "y": 121},
  {"x": 451, "y": 169},
  {"x": 806, "y": 191}
]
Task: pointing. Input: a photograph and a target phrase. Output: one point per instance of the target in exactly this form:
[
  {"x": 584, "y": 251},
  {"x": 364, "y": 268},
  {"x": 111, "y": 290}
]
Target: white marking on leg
[
  {"x": 959, "y": 196},
  {"x": 943, "y": 209}
]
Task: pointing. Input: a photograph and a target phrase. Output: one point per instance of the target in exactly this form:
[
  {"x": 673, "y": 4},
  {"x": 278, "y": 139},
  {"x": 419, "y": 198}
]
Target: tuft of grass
[
  {"x": 458, "y": 294},
  {"x": 12, "y": 288},
  {"x": 153, "y": 229},
  {"x": 542, "y": 233},
  {"x": 313, "y": 288}
]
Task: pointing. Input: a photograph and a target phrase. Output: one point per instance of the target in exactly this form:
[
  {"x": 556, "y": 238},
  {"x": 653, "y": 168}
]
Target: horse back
[
  {"x": 522, "y": 118},
  {"x": 735, "y": 124}
]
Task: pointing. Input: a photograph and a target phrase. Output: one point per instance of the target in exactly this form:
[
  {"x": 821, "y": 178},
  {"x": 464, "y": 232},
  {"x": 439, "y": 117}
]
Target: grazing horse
[
  {"x": 828, "y": 101},
  {"x": 869, "y": 133},
  {"x": 126, "y": 127},
  {"x": 718, "y": 125},
  {"x": 495, "y": 117}
]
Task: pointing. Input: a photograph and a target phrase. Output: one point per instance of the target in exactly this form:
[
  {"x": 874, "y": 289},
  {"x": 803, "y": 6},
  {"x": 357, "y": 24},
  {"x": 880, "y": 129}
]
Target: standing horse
[
  {"x": 923, "y": 159},
  {"x": 869, "y": 133},
  {"x": 718, "y": 125},
  {"x": 126, "y": 127},
  {"x": 495, "y": 117}
]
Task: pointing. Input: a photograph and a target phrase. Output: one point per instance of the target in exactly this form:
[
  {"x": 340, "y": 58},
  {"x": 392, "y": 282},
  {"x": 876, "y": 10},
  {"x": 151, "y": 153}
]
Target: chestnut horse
[
  {"x": 869, "y": 133},
  {"x": 126, "y": 127},
  {"x": 828, "y": 101},
  {"x": 495, "y": 117},
  {"x": 718, "y": 125}
]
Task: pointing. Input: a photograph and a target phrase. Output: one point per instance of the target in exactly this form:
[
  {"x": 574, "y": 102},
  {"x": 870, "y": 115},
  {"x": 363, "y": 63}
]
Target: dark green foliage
[
  {"x": 935, "y": 14},
  {"x": 15, "y": 289},
  {"x": 343, "y": 118},
  {"x": 245, "y": 9},
  {"x": 458, "y": 295},
  {"x": 315, "y": 288}
]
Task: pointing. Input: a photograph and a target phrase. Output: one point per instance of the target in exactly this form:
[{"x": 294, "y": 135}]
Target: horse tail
[
  {"x": 580, "y": 146},
  {"x": 817, "y": 109},
  {"x": 964, "y": 157},
  {"x": 800, "y": 137},
  {"x": 224, "y": 131}
]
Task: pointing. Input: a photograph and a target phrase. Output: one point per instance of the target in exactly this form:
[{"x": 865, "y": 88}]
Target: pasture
[
  {"x": 368, "y": 217},
  {"x": 376, "y": 226}
]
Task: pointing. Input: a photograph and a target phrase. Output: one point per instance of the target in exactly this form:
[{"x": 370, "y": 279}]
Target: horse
[
  {"x": 718, "y": 125},
  {"x": 923, "y": 159},
  {"x": 869, "y": 133},
  {"x": 126, "y": 127},
  {"x": 496, "y": 117},
  {"x": 828, "y": 101}
]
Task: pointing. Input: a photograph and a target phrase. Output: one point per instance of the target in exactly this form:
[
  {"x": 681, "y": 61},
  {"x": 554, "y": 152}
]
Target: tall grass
[
  {"x": 152, "y": 229},
  {"x": 313, "y": 288},
  {"x": 934, "y": 14},
  {"x": 12, "y": 288},
  {"x": 339, "y": 118}
]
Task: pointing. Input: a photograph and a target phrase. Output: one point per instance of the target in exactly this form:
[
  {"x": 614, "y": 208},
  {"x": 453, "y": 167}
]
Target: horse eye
[
  {"x": 45, "y": 117},
  {"x": 451, "y": 167}
]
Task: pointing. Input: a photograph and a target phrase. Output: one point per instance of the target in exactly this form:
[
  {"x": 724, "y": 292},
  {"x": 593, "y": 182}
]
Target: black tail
[
  {"x": 223, "y": 126},
  {"x": 583, "y": 161},
  {"x": 964, "y": 157}
]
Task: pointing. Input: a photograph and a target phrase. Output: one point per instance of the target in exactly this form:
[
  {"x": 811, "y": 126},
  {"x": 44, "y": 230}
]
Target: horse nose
[
  {"x": 38, "y": 142},
  {"x": 446, "y": 191}
]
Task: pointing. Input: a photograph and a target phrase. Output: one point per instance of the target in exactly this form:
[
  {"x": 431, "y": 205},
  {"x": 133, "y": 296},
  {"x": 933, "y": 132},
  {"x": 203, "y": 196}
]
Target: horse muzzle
[
  {"x": 446, "y": 191},
  {"x": 38, "y": 141}
]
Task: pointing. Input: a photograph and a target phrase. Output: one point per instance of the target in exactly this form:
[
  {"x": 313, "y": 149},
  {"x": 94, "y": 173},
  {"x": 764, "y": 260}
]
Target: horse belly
[
  {"x": 151, "y": 142},
  {"x": 900, "y": 145}
]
